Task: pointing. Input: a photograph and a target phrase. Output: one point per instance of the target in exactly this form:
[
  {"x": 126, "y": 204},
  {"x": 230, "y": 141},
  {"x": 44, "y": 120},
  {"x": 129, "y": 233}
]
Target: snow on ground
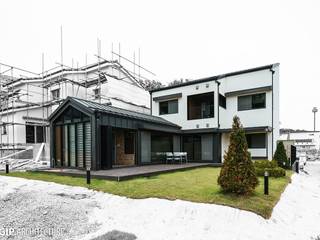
[{"x": 88, "y": 214}]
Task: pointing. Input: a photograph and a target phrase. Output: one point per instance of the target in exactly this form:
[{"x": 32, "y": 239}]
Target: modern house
[{"x": 193, "y": 117}]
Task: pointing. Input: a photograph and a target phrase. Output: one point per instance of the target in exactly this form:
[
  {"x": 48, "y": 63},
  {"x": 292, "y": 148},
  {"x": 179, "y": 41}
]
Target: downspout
[
  {"x": 272, "y": 73},
  {"x": 219, "y": 144},
  {"x": 218, "y": 114},
  {"x": 150, "y": 100}
]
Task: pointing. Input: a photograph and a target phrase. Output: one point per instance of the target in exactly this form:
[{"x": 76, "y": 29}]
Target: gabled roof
[
  {"x": 93, "y": 107},
  {"x": 217, "y": 77}
]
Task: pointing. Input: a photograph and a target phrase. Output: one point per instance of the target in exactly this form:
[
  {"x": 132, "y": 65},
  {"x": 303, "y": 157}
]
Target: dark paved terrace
[{"x": 125, "y": 173}]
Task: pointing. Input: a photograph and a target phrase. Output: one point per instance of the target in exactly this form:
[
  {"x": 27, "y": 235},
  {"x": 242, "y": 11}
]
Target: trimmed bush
[
  {"x": 271, "y": 166},
  {"x": 237, "y": 174},
  {"x": 280, "y": 156},
  {"x": 265, "y": 164},
  {"x": 273, "y": 172}
]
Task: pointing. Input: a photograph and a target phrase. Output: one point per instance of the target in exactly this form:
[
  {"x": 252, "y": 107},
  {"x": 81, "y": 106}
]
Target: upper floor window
[
  {"x": 201, "y": 106},
  {"x": 254, "y": 101},
  {"x": 168, "y": 107},
  {"x": 256, "y": 140},
  {"x": 96, "y": 93},
  {"x": 4, "y": 129},
  {"x": 55, "y": 94},
  {"x": 222, "y": 101}
]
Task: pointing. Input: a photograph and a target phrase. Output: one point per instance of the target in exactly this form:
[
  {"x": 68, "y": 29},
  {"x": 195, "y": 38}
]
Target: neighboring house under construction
[{"x": 27, "y": 102}]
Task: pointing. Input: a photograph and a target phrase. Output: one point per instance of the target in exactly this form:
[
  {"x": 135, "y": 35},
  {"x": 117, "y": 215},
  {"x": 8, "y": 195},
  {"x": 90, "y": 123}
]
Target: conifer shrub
[
  {"x": 280, "y": 156},
  {"x": 237, "y": 174}
]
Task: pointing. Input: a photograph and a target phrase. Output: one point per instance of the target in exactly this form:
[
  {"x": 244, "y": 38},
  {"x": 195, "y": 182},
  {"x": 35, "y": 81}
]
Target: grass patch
[{"x": 196, "y": 185}]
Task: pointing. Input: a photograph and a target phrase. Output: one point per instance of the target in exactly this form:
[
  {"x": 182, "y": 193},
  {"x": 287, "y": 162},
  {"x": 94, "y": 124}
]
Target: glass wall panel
[
  {"x": 87, "y": 144},
  {"x": 145, "y": 147},
  {"x": 192, "y": 145},
  {"x": 207, "y": 147},
  {"x": 65, "y": 146},
  {"x": 161, "y": 143},
  {"x": 72, "y": 145},
  {"x": 80, "y": 153},
  {"x": 58, "y": 147}
]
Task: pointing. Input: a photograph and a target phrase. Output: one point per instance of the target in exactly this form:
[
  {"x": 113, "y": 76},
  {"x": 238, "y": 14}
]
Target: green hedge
[
  {"x": 273, "y": 172},
  {"x": 265, "y": 164},
  {"x": 271, "y": 166}
]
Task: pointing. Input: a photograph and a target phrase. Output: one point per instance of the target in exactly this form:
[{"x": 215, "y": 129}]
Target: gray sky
[{"x": 178, "y": 39}]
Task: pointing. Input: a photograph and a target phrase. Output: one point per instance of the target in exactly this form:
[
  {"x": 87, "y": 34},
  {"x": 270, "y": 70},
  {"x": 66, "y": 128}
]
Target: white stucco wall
[{"x": 181, "y": 118}]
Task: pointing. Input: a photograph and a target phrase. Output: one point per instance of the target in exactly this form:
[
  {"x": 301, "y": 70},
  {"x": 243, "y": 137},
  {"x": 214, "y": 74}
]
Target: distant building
[{"x": 306, "y": 142}]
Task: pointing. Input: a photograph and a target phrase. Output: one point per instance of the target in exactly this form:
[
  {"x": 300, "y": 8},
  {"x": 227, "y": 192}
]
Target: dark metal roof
[
  {"x": 103, "y": 108},
  {"x": 217, "y": 77}
]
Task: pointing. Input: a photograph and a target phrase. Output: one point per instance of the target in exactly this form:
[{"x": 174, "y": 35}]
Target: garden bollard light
[
  {"x": 7, "y": 168},
  {"x": 297, "y": 166},
  {"x": 88, "y": 176},
  {"x": 266, "y": 183}
]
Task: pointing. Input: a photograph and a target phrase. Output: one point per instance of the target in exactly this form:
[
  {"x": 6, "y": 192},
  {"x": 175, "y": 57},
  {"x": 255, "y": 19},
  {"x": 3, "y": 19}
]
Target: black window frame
[
  {"x": 165, "y": 104},
  {"x": 55, "y": 94},
  {"x": 253, "y": 105},
  {"x": 253, "y": 142},
  {"x": 210, "y": 95},
  {"x": 97, "y": 93},
  {"x": 222, "y": 101},
  {"x": 40, "y": 134},
  {"x": 30, "y": 133},
  {"x": 4, "y": 129}
]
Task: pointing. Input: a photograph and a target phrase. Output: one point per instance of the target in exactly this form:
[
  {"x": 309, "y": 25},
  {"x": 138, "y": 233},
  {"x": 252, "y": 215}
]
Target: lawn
[{"x": 196, "y": 185}]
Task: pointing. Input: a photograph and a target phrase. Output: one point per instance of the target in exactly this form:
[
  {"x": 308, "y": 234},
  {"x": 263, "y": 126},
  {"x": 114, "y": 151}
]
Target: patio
[{"x": 125, "y": 173}]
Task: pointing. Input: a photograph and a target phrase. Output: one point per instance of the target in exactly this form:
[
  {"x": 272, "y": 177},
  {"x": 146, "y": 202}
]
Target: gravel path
[
  {"x": 88, "y": 215},
  {"x": 44, "y": 210}
]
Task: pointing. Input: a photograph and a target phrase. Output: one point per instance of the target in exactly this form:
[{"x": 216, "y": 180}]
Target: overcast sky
[{"x": 178, "y": 39}]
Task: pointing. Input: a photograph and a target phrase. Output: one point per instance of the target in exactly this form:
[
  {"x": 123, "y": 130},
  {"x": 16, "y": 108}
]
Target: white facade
[
  {"x": 33, "y": 100},
  {"x": 264, "y": 80}
]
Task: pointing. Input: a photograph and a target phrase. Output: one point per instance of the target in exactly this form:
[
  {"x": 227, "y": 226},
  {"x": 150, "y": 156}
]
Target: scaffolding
[{"x": 11, "y": 95}]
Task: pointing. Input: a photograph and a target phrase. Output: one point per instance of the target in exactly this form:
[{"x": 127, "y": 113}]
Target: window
[
  {"x": 55, "y": 94},
  {"x": 41, "y": 135},
  {"x": 30, "y": 134},
  {"x": 161, "y": 142},
  {"x": 168, "y": 107},
  {"x": 35, "y": 134},
  {"x": 201, "y": 106},
  {"x": 222, "y": 101},
  {"x": 4, "y": 129},
  {"x": 249, "y": 102},
  {"x": 96, "y": 93},
  {"x": 256, "y": 140},
  {"x": 129, "y": 143}
]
